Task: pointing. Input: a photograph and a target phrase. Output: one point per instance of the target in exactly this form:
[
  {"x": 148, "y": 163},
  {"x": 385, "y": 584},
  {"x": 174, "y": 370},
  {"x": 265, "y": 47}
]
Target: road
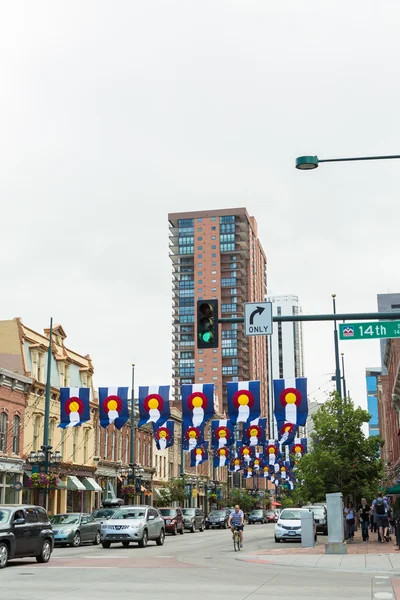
[{"x": 191, "y": 566}]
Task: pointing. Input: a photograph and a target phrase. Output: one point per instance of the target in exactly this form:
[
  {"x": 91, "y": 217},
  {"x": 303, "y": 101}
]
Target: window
[
  {"x": 215, "y": 368},
  {"x": 215, "y": 351},
  {"x": 214, "y": 289},
  {"x": 41, "y": 515},
  {"x": 199, "y": 256},
  {"x": 200, "y": 282},
  {"x": 199, "y": 273},
  {"x": 213, "y": 255},
  {"x": 199, "y": 229},
  {"x": 213, "y": 247},
  {"x": 199, "y": 239},
  {"x": 201, "y": 369},
  {"x": 199, "y": 248},
  {"x": 185, "y": 222},
  {"x": 227, "y": 247},
  {"x": 75, "y": 443},
  {"x": 213, "y": 228},
  {"x": 30, "y": 515},
  {"x": 85, "y": 445},
  {"x": 201, "y": 360},
  {"x": 213, "y": 237},
  {"x": 36, "y": 432},
  {"x": 213, "y": 281},
  {"x": 199, "y": 264},
  {"x": 213, "y": 218},
  {"x": 214, "y": 264},
  {"x": 199, "y": 220},
  {"x": 227, "y": 219},
  {"x": 215, "y": 378},
  {"x": 230, "y": 370},
  {"x": 16, "y": 430},
  {"x": 213, "y": 272},
  {"x": 3, "y": 431},
  {"x": 201, "y": 378}
]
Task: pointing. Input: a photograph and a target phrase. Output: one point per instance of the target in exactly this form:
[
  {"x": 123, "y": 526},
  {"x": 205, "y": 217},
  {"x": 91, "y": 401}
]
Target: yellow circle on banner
[
  {"x": 198, "y": 451},
  {"x": 243, "y": 399},
  {"x": 112, "y": 405},
  {"x": 153, "y": 403},
  {"x": 222, "y": 452},
  {"x": 271, "y": 450},
  {"x": 74, "y": 407},
  {"x": 253, "y": 432},
  {"x": 290, "y": 398},
  {"x": 163, "y": 434},
  {"x": 222, "y": 433},
  {"x": 197, "y": 402},
  {"x": 192, "y": 434}
]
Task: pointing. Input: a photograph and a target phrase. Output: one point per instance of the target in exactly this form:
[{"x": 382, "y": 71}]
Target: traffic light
[{"x": 207, "y": 324}]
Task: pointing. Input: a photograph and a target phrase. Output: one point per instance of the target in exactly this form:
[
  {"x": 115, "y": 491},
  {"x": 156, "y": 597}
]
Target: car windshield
[
  {"x": 167, "y": 512},
  {"x": 129, "y": 514},
  {"x": 4, "y": 515},
  {"x": 217, "y": 513},
  {"x": 103, "y": 513},
  {"x": 188, "y": 511},
  {"x": 64, "y": 519},
  {"x": 318, "y": 510},
  {"x": 256, "y": 512},
  {"x": 271, "y": 512},
  {"x": 290, "y": 515}
]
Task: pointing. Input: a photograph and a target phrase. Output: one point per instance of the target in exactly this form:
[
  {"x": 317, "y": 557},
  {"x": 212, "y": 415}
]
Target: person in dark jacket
[{"x": 364, "y": 513}]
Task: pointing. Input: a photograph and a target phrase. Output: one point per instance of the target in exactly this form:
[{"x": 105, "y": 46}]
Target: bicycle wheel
[
  {"x": 236, "y": 544},
  {"x": 238, "y": 541}
]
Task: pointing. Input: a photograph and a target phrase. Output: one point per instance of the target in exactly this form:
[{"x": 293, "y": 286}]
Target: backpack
[{"x": 380, "y": 506}]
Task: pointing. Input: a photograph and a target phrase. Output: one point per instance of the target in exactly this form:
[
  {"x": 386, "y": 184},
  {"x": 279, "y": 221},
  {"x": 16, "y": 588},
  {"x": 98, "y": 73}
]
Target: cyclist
[{"x": 236, "y": 519}]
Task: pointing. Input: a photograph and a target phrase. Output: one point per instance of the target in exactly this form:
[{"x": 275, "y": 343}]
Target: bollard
[{"x": 307, "y": 529}]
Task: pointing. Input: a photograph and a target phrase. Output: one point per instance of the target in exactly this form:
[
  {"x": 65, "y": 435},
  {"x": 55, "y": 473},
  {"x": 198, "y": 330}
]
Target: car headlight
[
  {"x": 135, "y": 526},
  {"x": 66, "y": 531}
]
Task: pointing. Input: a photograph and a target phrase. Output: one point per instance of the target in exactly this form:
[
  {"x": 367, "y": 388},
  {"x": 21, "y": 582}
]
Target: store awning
[
  {"x": 394, "y": 490},
  {"x": 61, "y": 485},
  {"x": 74, "y": 484},
  {"x": 276, "y": 504},
  {"x": 91, "y": 485}
]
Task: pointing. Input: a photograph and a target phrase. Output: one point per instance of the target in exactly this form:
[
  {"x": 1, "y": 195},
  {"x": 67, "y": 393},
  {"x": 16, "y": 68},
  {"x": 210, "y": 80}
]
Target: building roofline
[
  {"x": 16, "y": 376},
  {"x": 220, "y": 212}
]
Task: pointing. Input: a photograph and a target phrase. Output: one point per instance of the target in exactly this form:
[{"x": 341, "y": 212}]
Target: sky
[{"x": 115, "y": 113}]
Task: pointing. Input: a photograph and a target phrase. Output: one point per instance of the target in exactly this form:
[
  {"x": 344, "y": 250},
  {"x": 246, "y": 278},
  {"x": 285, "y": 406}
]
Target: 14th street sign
[
  {"x": 258, "y": 318},
  {"x": 369, "y": 331}
]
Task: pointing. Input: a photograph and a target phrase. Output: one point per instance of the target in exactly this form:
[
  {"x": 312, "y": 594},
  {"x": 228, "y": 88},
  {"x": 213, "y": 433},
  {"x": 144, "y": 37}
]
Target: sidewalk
[{"x": 362, "y": 557}]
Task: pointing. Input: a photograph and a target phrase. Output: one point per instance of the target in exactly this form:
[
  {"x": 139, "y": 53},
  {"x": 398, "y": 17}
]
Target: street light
[
  {"x": 307, "y": 163},
  {"x": 45, "y": 457}
]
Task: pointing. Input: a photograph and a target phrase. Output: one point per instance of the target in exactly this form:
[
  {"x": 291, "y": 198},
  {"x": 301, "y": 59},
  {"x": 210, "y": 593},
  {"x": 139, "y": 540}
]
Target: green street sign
[{"x": 369, "y": 331}]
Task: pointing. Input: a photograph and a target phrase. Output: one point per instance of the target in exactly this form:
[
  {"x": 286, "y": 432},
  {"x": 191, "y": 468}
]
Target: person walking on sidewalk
[
  {"x": 364, "y": 513},
  {"x": 350, "y": 520},
  {"x": 381, "y": 508}
]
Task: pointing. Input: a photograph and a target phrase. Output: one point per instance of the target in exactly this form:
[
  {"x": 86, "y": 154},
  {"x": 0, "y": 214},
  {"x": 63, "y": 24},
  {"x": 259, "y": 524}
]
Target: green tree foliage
[
  {"x": 241, "y": 497},
  {"x": 173, "y": 491},
  {"x": 342, "y": 458}
]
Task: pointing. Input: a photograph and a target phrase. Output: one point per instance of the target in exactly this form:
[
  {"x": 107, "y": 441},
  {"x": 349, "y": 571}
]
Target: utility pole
[
  {"x": 46, "y": 448},
  {"x": 336, "y": 342}
]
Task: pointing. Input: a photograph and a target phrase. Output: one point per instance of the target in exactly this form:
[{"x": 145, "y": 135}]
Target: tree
[
  {"x": 173, "y": 491},
  {"x": 342, "y": 458},
  {"x": 242, "y": 498}
]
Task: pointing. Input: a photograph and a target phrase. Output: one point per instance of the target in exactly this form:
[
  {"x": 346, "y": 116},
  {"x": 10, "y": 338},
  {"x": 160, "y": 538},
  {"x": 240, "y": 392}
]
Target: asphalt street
[{"x": 191, "y": 566}]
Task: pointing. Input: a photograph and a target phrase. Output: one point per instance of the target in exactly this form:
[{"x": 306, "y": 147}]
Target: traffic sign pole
[{"x": 325, "y": 317}]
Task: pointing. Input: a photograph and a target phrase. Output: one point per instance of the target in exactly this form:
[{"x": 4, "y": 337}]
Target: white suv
[{"x": 133, "y": 524}]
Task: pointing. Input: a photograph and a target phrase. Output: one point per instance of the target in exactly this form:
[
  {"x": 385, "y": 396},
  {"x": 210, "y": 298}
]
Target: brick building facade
[{"x": 389, "y": 409}]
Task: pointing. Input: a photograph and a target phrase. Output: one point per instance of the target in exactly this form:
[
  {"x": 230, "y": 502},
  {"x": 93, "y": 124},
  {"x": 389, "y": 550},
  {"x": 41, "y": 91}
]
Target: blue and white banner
[
  {"x": 286, "y": 432},
  {"x": 254, "y": 434},
  {"x": 198, "y": 402},
  {"x": 164, "y": 435},
  {"x": 74, "y": 406},
  {"x": 222, "y": 433},
  {"x": 113, "y": 406},
  {"x": 299, "y": 447},
  {"x": 154, "y": 404},
  {"x": 257, "y": 462},
  {"x": 236, "y": 464},
  {"x": 192, "y": 436},
  {"x": 222, "y": 457},
  {"x": 243, "y": 401},
  {"x": 248, "y": 472},
  {"x": 199, "y": 455},
  {"x": 291, "y": 404},
  {"x": 246, "y": 453}
]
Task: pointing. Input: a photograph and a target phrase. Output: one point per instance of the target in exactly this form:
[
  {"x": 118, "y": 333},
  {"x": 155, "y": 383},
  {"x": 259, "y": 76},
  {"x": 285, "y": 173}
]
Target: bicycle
[{"x": 236, "y": 538}]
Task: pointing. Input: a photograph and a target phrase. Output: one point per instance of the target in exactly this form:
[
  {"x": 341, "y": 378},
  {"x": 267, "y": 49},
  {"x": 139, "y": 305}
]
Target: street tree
[
  {"x": 342, "y": 457},
  {"x": 173, "y": 491}
]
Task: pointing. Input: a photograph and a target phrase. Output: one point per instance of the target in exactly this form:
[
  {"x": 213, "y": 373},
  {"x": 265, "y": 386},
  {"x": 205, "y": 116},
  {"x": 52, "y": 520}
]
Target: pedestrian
[
  {"x": 364, "y": 514},
  {"x": 381, "y": 509},
  {"x": 350, "y": 520}
]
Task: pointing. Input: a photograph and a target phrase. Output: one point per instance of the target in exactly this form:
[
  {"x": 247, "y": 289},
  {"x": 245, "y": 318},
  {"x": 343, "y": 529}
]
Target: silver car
[{"x": 137, "y": 524}]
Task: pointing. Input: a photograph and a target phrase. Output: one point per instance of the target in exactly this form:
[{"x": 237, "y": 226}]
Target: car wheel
[
  {"x": 276, "y": 540},
  {"x": 76, "y": 542},
  {"x": 182, "y": 531},
  {"x": 106, "y": 544},
  {"x": 225, "y": 525},
  {"x": 161, "y": 538},
  {"x": 45, "y": 552},
  {"x": 207, "y": 527},
  {"x": 143, "y": 541},
  {"x": 175, "y": 531},
  {"x": 193, "y": 529},
  {"x": 4, "y": 554},
  {"x": 126, "y": 544},
  {"x": 315, "y": 538},
  {"x": 97, "y": 539},
  {"x": 202, "y": 528}
]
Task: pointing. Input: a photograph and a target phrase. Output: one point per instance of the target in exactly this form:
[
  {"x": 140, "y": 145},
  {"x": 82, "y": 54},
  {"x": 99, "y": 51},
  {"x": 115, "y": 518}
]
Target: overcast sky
[{"x": 114, "y": 113}]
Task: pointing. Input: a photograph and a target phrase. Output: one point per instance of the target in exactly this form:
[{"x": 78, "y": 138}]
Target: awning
[
  {"x": 61, "y": 485},
  {"x": 74, "y": 484},
  {"x": 91, "y": 485},
  {"x": 393, "y": 490},
  {"x": 276, "y": 504},
  {"x": 157, "y": 491}
]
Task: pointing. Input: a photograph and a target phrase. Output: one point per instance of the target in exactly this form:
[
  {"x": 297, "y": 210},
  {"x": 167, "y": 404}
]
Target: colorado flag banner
[
  {"x": 192, "y": 436},
  {"x": 198, "y": 402},
  {"x": 113, "y": 406},
  {"x": 199, "y": 455},
  {"x": 154, "y": 404},
  {"x": 271, "y": 452},
  {"x": 164, "y": 435},
  {"x": 246, "y": 453},
  {"x": 254, "y": 434},
  {"x": 222, "y": 457},
  {"x": 235, "y": 464},
  {"x": 286, "y": 432},
  {"x": 243, "y": 401},
  {"x": 74, "y": 406},
  {"x": 299, "y": 447},
  {"x": 291, "y": 400},
  {"x": 222, "y": 433}
]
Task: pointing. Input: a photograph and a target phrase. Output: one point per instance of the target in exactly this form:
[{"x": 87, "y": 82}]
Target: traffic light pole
[{"x": 380, "y": 316}]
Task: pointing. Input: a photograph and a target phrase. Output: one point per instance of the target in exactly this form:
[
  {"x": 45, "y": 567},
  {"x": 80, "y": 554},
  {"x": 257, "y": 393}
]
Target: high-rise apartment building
[
  {"x": 387, "y": 303},
  {"x": 287, "y": 339},
  {"x": 217, "y": 254}
]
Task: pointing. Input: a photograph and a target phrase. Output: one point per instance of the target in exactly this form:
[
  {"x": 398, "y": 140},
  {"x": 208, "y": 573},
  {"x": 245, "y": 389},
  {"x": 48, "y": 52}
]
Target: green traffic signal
[{"x": 207, "y": 324}]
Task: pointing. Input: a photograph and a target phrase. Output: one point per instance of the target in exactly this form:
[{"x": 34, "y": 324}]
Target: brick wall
[{"x": 12, "y": 402}]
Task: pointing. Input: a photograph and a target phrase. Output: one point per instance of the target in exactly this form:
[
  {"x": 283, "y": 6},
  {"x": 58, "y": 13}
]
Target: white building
[{"x": 285, "y": 346}]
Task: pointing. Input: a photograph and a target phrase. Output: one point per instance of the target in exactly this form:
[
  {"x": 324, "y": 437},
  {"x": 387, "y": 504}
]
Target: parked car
[
  {"x": 257, "y": 516},
  {"x": 137, "y": 524},
  {"x": 102, "y": 514},
  {"x": 320, "y": 516},
  {"x": 288, "y": 526},
  {"x": 71, "y": 529},
  {"x": 173, "y": 520},
  {"x": 217, "y": 519},
  {"x": 25, "y": 531},
  {"x": 193, "y": 519},
  {"x": 272, "y": 516}
]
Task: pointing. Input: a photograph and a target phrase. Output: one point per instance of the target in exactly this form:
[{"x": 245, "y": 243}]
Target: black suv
[{"x": 24, "y": 531}]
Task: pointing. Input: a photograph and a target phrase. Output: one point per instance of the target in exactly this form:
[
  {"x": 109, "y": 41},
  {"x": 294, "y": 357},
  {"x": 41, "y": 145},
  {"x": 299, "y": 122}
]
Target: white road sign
[{"x": 258, "y": 318}]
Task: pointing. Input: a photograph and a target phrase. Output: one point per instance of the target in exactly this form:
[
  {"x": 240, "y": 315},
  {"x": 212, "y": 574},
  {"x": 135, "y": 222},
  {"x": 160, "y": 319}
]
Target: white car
[{"x": 288, "y": 526}]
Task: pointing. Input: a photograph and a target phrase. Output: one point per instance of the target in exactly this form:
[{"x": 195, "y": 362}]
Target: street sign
[
  {"x": 369, "y": 331},
  {"x": 258, "y": 318}
]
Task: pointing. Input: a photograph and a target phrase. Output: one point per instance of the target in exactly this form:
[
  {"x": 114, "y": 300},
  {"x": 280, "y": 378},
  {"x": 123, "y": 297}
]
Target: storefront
[
  {"x": 107, "y": 480},
  {"x": 11, "y": 477}
]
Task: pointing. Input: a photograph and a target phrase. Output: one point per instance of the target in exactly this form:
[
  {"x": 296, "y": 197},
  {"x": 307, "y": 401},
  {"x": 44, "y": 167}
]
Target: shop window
[
  {"x": 3, "y": 431},
  {"x": 16, "y": 433}
]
